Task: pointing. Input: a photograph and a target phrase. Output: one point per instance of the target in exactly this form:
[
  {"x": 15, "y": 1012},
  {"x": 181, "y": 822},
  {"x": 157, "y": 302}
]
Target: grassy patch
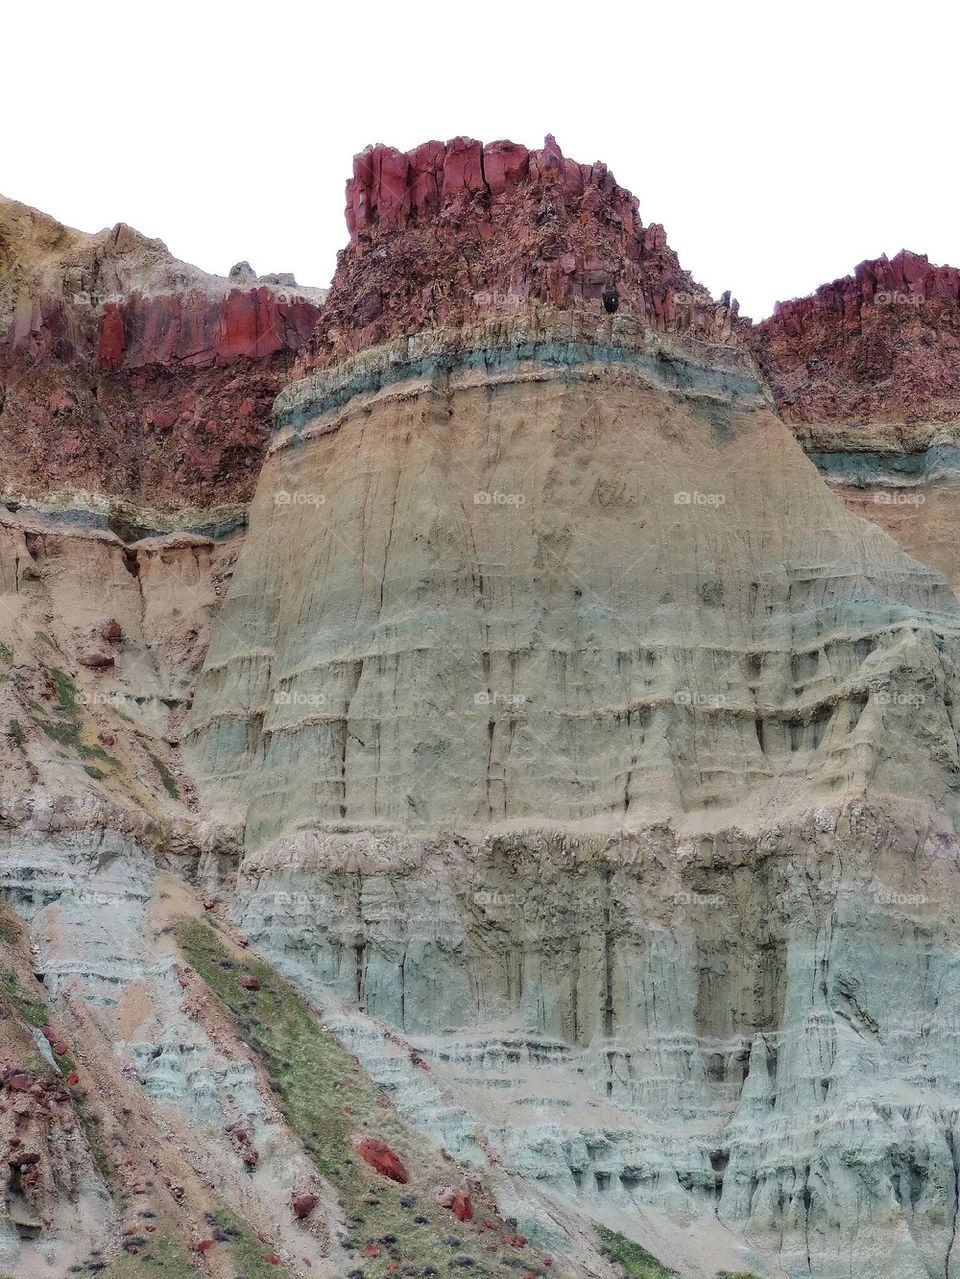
[
  {"x": 15, "y": 732},
  {"x": 249, "y": 1254},
  {"x": 91, "y": 1132},
  {"x": 631, "y": 1258},
  {"x": 328, "y": 1101},
  {"x": 6, "y": 653},
  {"x": 66, "y": 730},
  {"x": 66, "y": 693},
  {"x": 8, "y": 934},
  {"x": 31, "y": 1010},
  {"x": 168, "y": 779},
  {"x": 158, "y": 1258}
]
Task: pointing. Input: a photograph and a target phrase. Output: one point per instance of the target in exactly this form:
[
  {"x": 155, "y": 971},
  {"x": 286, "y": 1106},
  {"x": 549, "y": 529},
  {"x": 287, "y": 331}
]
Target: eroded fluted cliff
[{"x": 531, "y": 826}]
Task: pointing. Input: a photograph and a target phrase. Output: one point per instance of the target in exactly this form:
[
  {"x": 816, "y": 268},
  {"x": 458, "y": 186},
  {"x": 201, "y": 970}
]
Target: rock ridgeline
[
  {"x": 448, "y": 232},
  {"x": 198, "y": 332},
  {"x": 127, "y": 373},
  {"x": 882, "y": 345}
]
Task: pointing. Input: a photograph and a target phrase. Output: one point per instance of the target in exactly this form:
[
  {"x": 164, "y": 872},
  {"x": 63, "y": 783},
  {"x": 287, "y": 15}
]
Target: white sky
[{"x": 779, "y": 144}]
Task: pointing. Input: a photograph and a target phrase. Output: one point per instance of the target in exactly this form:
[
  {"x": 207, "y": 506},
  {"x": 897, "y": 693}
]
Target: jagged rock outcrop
[
  {"x": 127, "y": 375},
  {"x": 450, "y": 233},
  {"x": 866, "y": 371},
  {"x": 881, "y": 345}
]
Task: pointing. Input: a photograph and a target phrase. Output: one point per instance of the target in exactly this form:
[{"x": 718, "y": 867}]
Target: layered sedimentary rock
[
  {"x": 589, "y": 752},
  {"x": 129, "y": 377},
  {"x": 866, "y": 372},
  {"x": 556, "y": 575},
  {"x": 584, "y": 760}
]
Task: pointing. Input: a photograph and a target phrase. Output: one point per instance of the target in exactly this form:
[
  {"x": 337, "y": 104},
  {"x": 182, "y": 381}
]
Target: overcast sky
[{"x": 779, "y": 145}]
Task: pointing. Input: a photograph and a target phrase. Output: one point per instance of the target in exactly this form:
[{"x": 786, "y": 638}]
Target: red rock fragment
[
  {"x": 203, "y": 1246},
  {"x": 95, "y": 658},
  {"x": 249, "y": 983},
  {"x": 462, "y": 1207},
  {"x": 303, "y": 1205},
  {"x": 379, "y": 1156},
  {"x": 73, "y": 1079}
]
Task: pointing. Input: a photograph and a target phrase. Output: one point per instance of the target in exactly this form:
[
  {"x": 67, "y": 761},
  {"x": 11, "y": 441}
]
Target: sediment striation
[{"x": 523, "y": 838}]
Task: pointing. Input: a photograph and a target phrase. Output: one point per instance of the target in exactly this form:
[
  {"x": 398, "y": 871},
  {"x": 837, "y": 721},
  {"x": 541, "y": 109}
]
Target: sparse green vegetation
[
  {"x": 91, "y": 1132},
  {"x": 31, "y": 1010},
  {"x": 66, "y": 730},
  {"x": 6, "y": 653},
  {"x": 157, "y": 1258},
  {"x": 633, "y": 1260},
  {"x": 168, "y": 779},
  {"x": 66, "y": 693},
  {"x": 8, "y": 934},
  {"x": 15, "y": 732},
  {"x": 736, "y": 1274},
  {"x": 249, "y": 1254},
  {"x": 329, "y": 1101}
]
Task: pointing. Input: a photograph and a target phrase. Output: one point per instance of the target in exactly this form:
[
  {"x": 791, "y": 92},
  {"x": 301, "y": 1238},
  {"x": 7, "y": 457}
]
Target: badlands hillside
[{"x": 481, "y": 781}]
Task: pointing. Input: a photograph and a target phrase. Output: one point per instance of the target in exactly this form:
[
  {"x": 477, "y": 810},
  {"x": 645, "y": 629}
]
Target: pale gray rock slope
[{"x": 577, "y": 734}]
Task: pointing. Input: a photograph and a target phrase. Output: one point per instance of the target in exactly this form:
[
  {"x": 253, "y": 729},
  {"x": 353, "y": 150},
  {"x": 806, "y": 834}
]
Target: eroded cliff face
[
  {"x": 565, "y": 617},
  {"x": 548, "y": 799},
  {"x": 450, "y": 233},
  {"x": 557, "y": 576},
  {"x": 865, "y": 371},
  {"x": 129, "y": 380}
]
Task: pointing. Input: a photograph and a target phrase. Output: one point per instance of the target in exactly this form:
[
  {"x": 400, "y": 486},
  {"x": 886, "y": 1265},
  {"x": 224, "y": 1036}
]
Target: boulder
[
  {"x": 379, "y": 1156},
  {"x": 462, "y": 1207},
  {"x": 304, "y": 1204},
  {"x": 95, "y": 657}
]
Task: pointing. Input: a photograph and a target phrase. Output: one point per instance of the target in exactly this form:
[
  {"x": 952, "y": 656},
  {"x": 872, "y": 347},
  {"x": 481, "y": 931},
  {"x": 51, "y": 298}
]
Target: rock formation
[
  {"x": 451, "y": 233},
  {"x": 129, "y": 376},
  {"x": 866, "y": 372},
  {"x": 524, "y": 838}
]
